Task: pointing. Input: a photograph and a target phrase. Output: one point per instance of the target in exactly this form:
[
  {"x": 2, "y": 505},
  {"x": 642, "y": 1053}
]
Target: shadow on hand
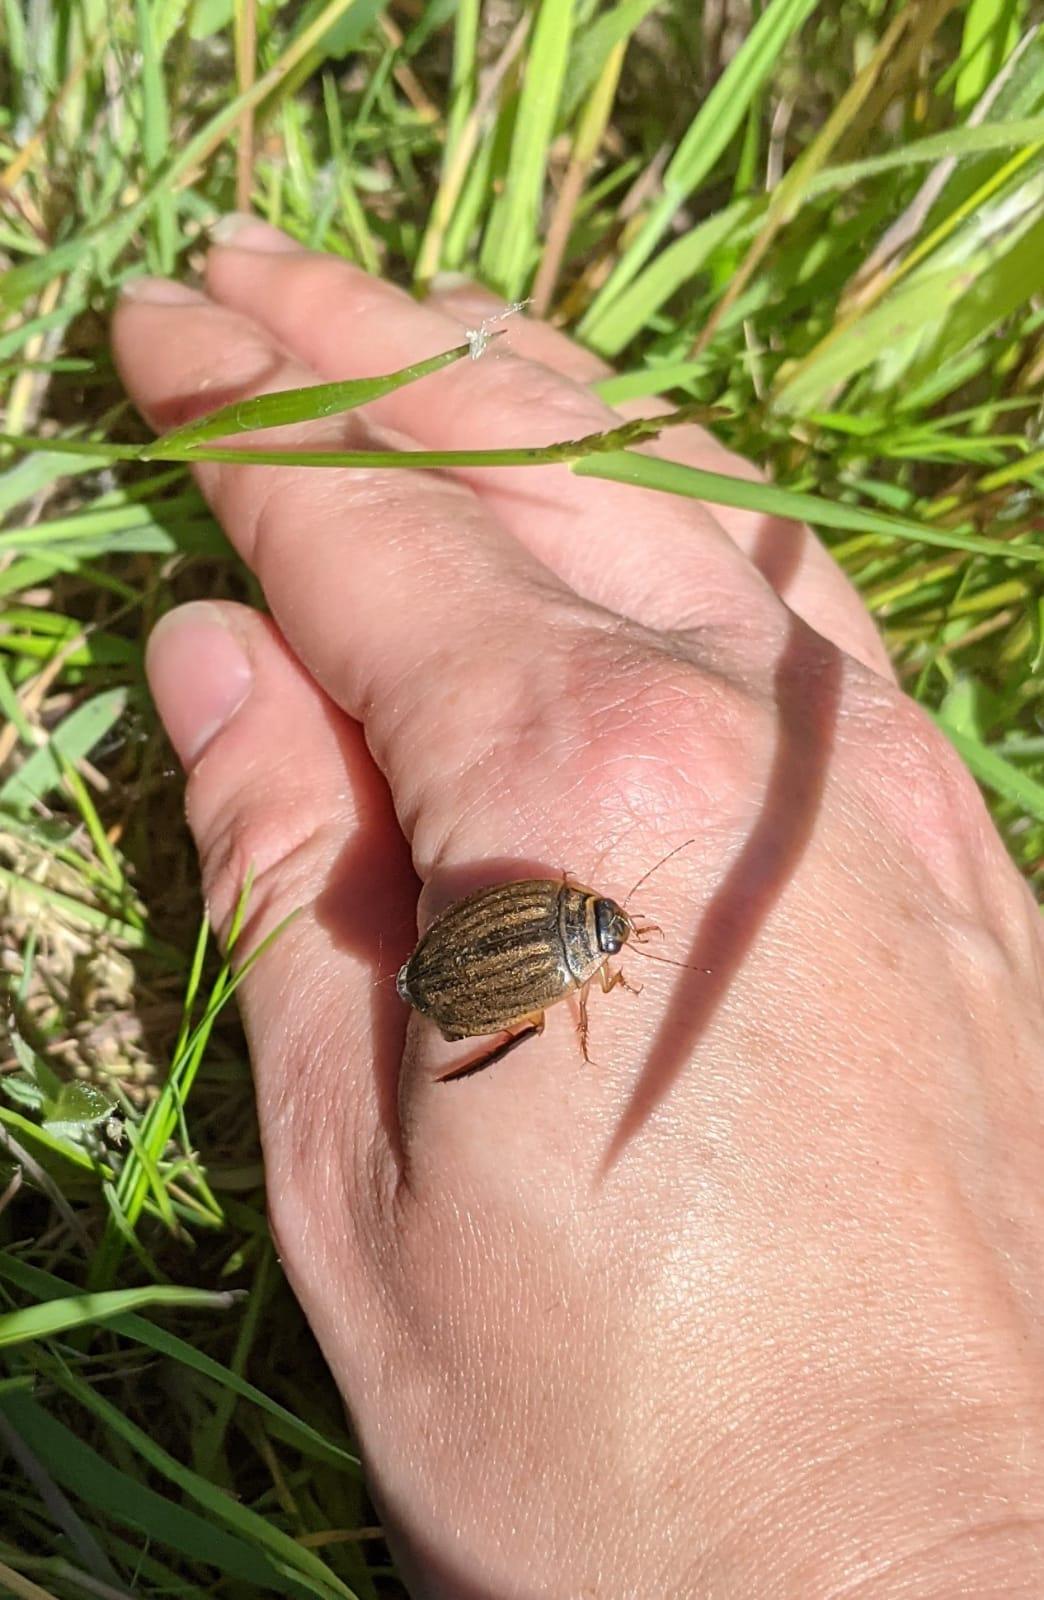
[
  {"x": 807, "y": 684},
  {"x": 368, "y": 906}
]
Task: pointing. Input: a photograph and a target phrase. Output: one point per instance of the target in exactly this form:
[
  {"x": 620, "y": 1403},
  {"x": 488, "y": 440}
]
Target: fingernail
[
  {"x": 199, "y": 674},
  {"x": 161, "y": 292},
  {"x": 247, "y": 232}
]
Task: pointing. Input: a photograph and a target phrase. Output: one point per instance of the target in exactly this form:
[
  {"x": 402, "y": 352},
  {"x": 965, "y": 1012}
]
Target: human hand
[{"x": 751, "y": 1305}]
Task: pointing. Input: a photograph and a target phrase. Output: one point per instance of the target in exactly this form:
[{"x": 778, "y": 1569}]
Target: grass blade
[
  {"x": 295, "y": 405},
  {"x": 709, "y": 133},
  {"x": 996, "y": 772},
  {"x": 75, "y": 737},
  {"x": 83, "y": 1472},
  {"x": 82, "y": 1310},
  {"x": 512, "y": 237},
  {"x": 651, "y": 472},
  {"x": 294, "y": 1562},
  {"x": 130, "y": 1325}
]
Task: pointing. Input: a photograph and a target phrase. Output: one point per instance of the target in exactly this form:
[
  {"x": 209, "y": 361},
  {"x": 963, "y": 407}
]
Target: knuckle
[
  {"x": 643, "y": 730},
  {"x": 667, "y": 735},
  {"x": 927, "y": 779},
  {"x": 920, "y": 788},
  {"x": 543, "y": 402},
  {"x": 623, "y": 724},
  {"x": 277, "y": 502}
]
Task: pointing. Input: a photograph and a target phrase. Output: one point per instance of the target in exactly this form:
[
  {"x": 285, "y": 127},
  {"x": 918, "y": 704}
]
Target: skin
[{"x": 752, "y": 1304}]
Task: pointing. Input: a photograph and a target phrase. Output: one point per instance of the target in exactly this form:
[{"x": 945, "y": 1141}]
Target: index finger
[{"x": 387, "y": 584}]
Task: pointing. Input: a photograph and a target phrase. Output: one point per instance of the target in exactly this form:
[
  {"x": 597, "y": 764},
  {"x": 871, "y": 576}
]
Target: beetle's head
[{"x": 612, "y": 925}]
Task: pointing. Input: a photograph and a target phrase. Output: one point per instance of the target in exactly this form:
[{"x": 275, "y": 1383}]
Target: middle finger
[{"x": 663, "y": 561}]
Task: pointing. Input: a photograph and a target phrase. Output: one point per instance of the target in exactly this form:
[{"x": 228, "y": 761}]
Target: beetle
[{"x": 496, "y": 960}]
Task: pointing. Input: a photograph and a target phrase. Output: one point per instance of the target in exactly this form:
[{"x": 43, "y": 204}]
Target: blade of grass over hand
[
  {"x": 601, "y": 455},
  {"x": 512, "y": 237},
  {"x": 232, "y": 978},
  {"x": 82, "y": 1310},
  {"x": 628, "y": 433},
  {"x": 718, "y": 119},
  {"x": 650, "y": 472},
  {"x": 297, "y": 405}
]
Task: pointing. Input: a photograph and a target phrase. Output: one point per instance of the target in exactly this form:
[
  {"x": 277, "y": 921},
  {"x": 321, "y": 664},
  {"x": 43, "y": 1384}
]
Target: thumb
[{"x": 281, "y": 786}]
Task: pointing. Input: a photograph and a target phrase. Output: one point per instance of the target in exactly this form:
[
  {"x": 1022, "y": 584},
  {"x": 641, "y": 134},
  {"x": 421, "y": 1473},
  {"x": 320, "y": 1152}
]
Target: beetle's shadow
[
  {"x": 807, "y": 688},
  {"x": 367, "y": 907}
]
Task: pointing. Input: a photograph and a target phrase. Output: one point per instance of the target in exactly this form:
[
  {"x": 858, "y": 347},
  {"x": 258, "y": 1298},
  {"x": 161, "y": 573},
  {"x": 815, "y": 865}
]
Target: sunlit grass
[{"x": 823, "y": 232}]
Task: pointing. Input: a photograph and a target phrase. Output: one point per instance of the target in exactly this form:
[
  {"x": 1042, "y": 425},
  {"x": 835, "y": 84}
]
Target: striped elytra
[{"x": 503, "y": 955}]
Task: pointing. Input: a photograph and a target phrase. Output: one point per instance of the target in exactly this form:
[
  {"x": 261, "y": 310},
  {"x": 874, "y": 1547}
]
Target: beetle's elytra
[{"x": 496, "y": 960}]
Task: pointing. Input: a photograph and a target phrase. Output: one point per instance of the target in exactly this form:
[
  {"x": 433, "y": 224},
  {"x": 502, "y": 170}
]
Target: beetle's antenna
[
  {"x": 668, "y": 962},
  {"x": 647, "y": 875}
]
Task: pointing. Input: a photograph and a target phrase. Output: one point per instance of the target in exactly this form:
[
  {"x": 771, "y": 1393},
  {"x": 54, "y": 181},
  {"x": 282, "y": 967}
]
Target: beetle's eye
[{"x": 609, "y": 926}]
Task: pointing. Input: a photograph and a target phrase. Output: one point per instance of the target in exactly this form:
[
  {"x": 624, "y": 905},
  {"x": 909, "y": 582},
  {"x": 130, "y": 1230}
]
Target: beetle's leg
[
  {"x": 533, "y": 1026},
  {"x": 581, "y": 1026},
  {"x": 609, "y": 980}
]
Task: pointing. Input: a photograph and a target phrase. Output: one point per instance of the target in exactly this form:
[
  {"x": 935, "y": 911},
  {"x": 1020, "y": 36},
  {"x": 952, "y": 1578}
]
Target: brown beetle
[{"x": 496, "y": 960}]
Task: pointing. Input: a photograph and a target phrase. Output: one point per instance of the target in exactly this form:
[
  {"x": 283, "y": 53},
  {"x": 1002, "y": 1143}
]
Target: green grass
[{"x": 824, "y": 230}]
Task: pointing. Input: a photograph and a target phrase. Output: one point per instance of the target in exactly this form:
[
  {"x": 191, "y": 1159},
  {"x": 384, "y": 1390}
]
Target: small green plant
[{"x": 820, "y": 231}]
